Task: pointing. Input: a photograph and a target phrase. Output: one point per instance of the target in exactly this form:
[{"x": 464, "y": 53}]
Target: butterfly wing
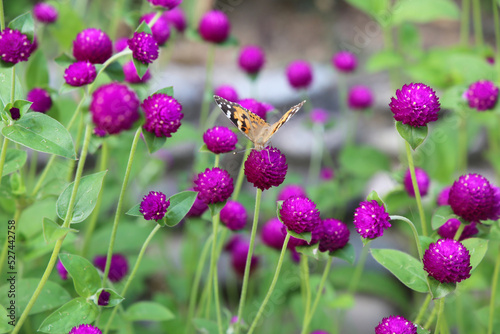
[{"x": 276, "y": 126}]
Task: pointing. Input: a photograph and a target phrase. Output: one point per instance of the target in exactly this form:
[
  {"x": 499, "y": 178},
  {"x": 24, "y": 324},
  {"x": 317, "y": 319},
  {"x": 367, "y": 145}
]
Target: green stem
[
  {"x": 76, "y": 113},
  {"x": 13, "y": 86},
  {"x": 123, "y": 53},
  {"x": 246, "y": 274},
  {"x": 432, "y": 316},
  {"x": 414, "y": 231},
  {"x": 5, "y": 143},
  {"x": 459, "y": 231},
  {"x": 416, "y": 189},
  {"x": 213, "y": 264},
  {"x": 77, "y": 144},
  {"x": 217, "y": 160},
  {"x": 59, "y": 242},
  {"x": 32, "y": 167},
  {"x": 440, "y": 316},
  {"x": 271, "y": 288},
  {"x": 358, "y": 270},
  {"x": 3, "y": 154},
  {"x": 304, "y": 265},
  {"x": 241, "y": 173},
  {"x": 464, "y": 23},
  {"x": 207, "y": 96},
  {"x": 119, "y": 206},
  {"x": 2, "y": 16},
  {"x": 215, "y": 274},
  {"x": 423, "y": 308},
  {"x": 494, "y": 285},
  {"x": 44, "y": 174},
  {"x": 476, "y": 17},
  {"x": 496, "y": 22}
]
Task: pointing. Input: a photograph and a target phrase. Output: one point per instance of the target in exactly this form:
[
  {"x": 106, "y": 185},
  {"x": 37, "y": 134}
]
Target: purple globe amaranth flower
[
  {"x": 482, "y": 95},
  {"x": 80, "y": 73},
  {"x": 166, "y": 3},
  {"x": 118, "y": 268},
  {"x": 44, "y": 13},
  {"x": 423, "y": 182},
  {"x": 299, "y": 74},
  {"x": 299, "y": 214},
  {"x": 319, "y": 116},
  {"x": 448, "y": 261},
  {"x": 326, "y": 174},
  {"x": 15, "y": 113},
  {"x": 396, "y": 324},
  {"x": 61, "y": 270},
  {"x": 220, "y": 139},
  {"x": 266, "y": 168},
  {"x": 291, "y": 190},
  {"x": 114, "y": 108},
  {"x": 40, "y": 98},
  {"x": 272, "y": 235},
  {"x": 214, "y": 185},
  {"x": 371, "y": 219},
  {"x": 359, "y": 97},
  {"x": 472, "y": 197},
  {"x": 92, "y": 45},
  {"x": 131, "y": 76},
  {"x": 345, "y": 61},
  {"x": 294, "y": 242},
  {"x": 85, "y": 329},
  {"x": 227, "y": 92},
  {"x": 332, "y": 234},
  {"x": 160, "y": 29},
  {"x": 121, "y": 44},
  {"x": 198, "y": 208},
  {"x": 442, "y": 198},
  {"x": 234, "y": 215},
  {"x": 239, "y": 255},
  {"x": 449, "y": 229},
  {"x": 163, "y": 115},
  {"x": 415, "y": 104},
  {"x": 495, "y": 208},
  {"x": 214, "y": 26},
  {"x": 154, "y": 205},
  {"x": 14, "y": 46},
  {"x": 251, "y": 59},
  {"x": 177, "y": 18},
  {"x": 144, "y": 47},
  {"x": 490, "y": 60},
  {"x": 258, "y": 108},
  {"x": 103, "y": 298}
]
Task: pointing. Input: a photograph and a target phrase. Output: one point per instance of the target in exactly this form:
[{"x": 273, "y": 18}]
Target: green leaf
[
  {"x": 307, "y": 236},
  {"x": 14, "y": 160},
  {"x": 115, "y": 71},
  {"x": 440, "y": 290},
  {"x": 167, "y": 91},
  {"x": 140, "y": 67},
  {"x": 85, "y": 276},
  {"x": 134, "y": 211},
  {"x": 346, "y": 253},
  {"x": 313, "y": 251},
  {"x": 52, "y": 231},
  {"x": 204, "y": 149},
  {"x": 41, "y": 133},
  {"x": 37, "y": 73},
  {"x": 25, "y": 24},
  {"x": 5, "y": 327},
  {"x": 65, "y": 88},
  {"x": 216, "y": 207},
  {"x": 148, "y": 311},
  {"x": 421, "y": 330},
  {"x": 477, "y": 249},
  {"x": 180, "y": 204},
  {"x": 406, "y": 268},
  {"x": 114, "y": 297},
  {"x": 413, "y": 135},
  {"x": 354, "y": 159},
  {"x": 425, "y": 242},
  {"x": 384, "y": 60},
  {"x": 6, "y": 87},
  {"x": 64, "y": 60},
  {"x": 428, "y": 11},
  {"x": 71, "y": 314},
  {"x": 441, "y": 216},
  {"x": 193, "y": 35},
  {"x": 205, "y": 326},
  {"x": 409, "y": 38},
  {"x": 86, "y": 197},
  {"x": 374, "y": 196},
  {"x": 144, "y": 27},
  {"x": 153, "y": 143},
  {"x": 23, "y": 106},
  {"x": 230, "y": 41}
]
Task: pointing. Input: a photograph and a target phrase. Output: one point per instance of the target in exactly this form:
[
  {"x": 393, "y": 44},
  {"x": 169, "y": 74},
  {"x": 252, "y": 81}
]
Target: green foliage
[
  {"x": 180, "y": 204},
  {"x": 353, "y": 160},
  {"x": 441, "y": 216},
  {"x": 14, "y": 160},
  {"x": 428, "y": 11},
  {"x": 85, "y": 277},
  {"x": 148, "y": 311},
  {"x": 412, "y": 134},
  {"x": 37, "y": 72},
  {"x": 153, "y": 143},
  {"x": 69, "y": 315},
  {"x": 52, "y": 231},
  {"x": 67, "y": 26}
]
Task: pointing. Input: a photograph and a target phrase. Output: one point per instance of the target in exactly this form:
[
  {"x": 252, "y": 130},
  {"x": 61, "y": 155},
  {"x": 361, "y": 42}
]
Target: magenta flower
[
  {"x": 251, "y": 59},
  {"x": 299, "y": 214},
  {"x": 396, "y": 325},
  {"x": 299, "y": 74},
  {"x": 92, "y": 45},
  {"x": 415, "y": 104},
  {"x": 258, "y": 108},
  {"x": 444, "y": 194},
  {"x": 80, "y": 73},
  {"x": 326, "y": 174},
  {"x": 423, "y": 182},
  {"x": 15, "y": 113},
  {"x": 214, "y": 185},
  {"x": 294, "y": 242},
  {"x": 144, "y": 47},
  {"x": 103, "y": 299},
  {"x": 371, "y": 219},
  {"x": 214, "y": 26},
  {"x": 359, "y": 97},
  {"x": 14, "y": 46},
  {"x": 291, "y": 190},
  {"x": 85, "y": 329},
  {"x": 131, "y": 76},
  {"x": 319, "y": 116},
  {"x": 220, "y": 139},
  {"x": 239, "y": 253},
  {"x": 45, "y": 13},
  {"x": 169, "y": 4},
  {"x": 154, "y": 205},
  {"x": 163, "y": 115},
  {"x": 114, "y": 108},
  {"x": 266, "y": 168},
  {"x": 160, "y": 29},
  {"x": 332, "y": 234},
  {"x": 448, "y": 261},
  {"x": 482, "y": 95},
  {"x": 234, "y": 215},
  {"x": 345, "y": 61},
  {"x": 449, "y": 229},
  {"x": 40, "y": 98},
  {"x": 61, "y": 270},
  {"x": 118, "y": 268},
  {"x": 177, "y": 18},
  {"x": 272, "y": 235},
  {"x": 121, "y": 44},
  {"x": 227, "y": 92},
  {"x": 198, "y": 208}
]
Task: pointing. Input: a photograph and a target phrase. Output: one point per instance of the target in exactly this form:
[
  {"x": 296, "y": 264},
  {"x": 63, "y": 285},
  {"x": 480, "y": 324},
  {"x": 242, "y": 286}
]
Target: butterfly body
[{"x": 258, "y": 131}]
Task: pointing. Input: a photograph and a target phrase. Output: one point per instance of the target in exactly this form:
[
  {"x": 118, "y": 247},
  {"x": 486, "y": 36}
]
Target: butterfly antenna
[{"x": 241, "y": 151}]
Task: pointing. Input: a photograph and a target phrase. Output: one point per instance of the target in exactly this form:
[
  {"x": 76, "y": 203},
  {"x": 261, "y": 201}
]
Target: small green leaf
[
  {"x": 477, "y": 249},
  {"x": 86, "y": 197},
  {"x": 23, "y": 106},
  {"x": 115, "y": 71},
  {"x": 230, "y": 41},
  {"x": 346, "y": 253},
  {"x": 374, "y": 196},
  {"x": 14, "y": 160},
  {"x": 153, "y": 143},
  {"x": 6, "y": 87},
  {"x": 85, "y": 276},
  {"x": 413, "y": 135},
  {"x": 441, "y": 216},
  {"x": 148, "y": 311},
  {"x": 425, "y": 242},
  {"x": 313, "y": 251},
  {"x": 180, "y": 204},
  {"x": 52, "y": 231},
  {"x": 25, "y": 24},
  {"x": 64, "y": 60},
  {"x": 140, "y": 67},
  {"x": 216, "y": 207},
  {"x": 204, "y": 149},
  {"x": 421, "y": 330},
  {"x": 440, "y": 290},
  {"x": 114, "y": 297},
  {"x": 307, "y": 236},
  {"x": 71, "y": 314},
  {"x": 167, "y": 91},
  {"x": 144, "y": 27},
  {"x": 65, "y": 88},
  {"x": 37, "y": 72},
  {"x": 135, "y": 211}
]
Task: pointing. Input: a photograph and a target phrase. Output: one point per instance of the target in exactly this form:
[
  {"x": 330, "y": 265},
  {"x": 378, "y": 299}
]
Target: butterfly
[{"x": 251, "y": 125}]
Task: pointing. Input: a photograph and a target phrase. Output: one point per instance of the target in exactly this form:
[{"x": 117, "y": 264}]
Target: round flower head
[
  {"x": 166, "y": 3},
  {"x": 272, "y": 235},
  {"x": 234, "y": 215},
  {"x": 258, "y": 108},
  {"x": 490, "y": 60},
  {"x": 360, "y": 97},
  {"x": 227, "y": 92},
  {"x": 239, "y": 255},
  {"x": 345, "y": 61},
  {"x": 154, "y": 205},
  {"x": 163, "y": 115},
  {"x": 92, "y": 45},
  {"x": 14, "y": 46},
  {"x": 214, "y": 26},
  {"x": 130, "y": 73},
  {"x": 396, "y": 324},
  {"x": 214, "y": 185},
  {"x": 448, "y": 229},
  {"x": 44, "y": 13},
  {"x": 299, "y": 214},
  {"x": 61, "y": 270},
  {"x": 482, "y": 95},
  {"x": 251, "y": 59},
  {"x": 177, "y": 18},
  {"x": 40, "y": 98},
  {"x": 371, "y": 219},
  {"x": 472, "y": 197},
  {"x": 233, "y": 241},
  {"x": 118, "y": 268},
  {"x": 198, "y": 208},
  {"x": 114, "y": 108},
  {"x": 144, "y": 47},
  {"x": 423, "y": 182},
  {"x": 220, "y": 139},
  {"x": 332, "y": 235},
  {"x": 103, "y": 298},
  {"x": 80, "y": 73},
  {"x": 319, "y": 116},
  {"x": 85, "y": 329},
  {"x": 495, "y": 208},
  {"x": 442, "y": 198},
  {"x": 415, "y": 104},
  {"x": 299, "y": 74},
  {"x": 121, "y": 44},
  {"x": 160, "y": 29},
  {"x": 326, "y": 174},
  {"x": 266, "y": 168},
  {"x": 291, "y": 190},
  {"x": 448, "y": 261}
]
